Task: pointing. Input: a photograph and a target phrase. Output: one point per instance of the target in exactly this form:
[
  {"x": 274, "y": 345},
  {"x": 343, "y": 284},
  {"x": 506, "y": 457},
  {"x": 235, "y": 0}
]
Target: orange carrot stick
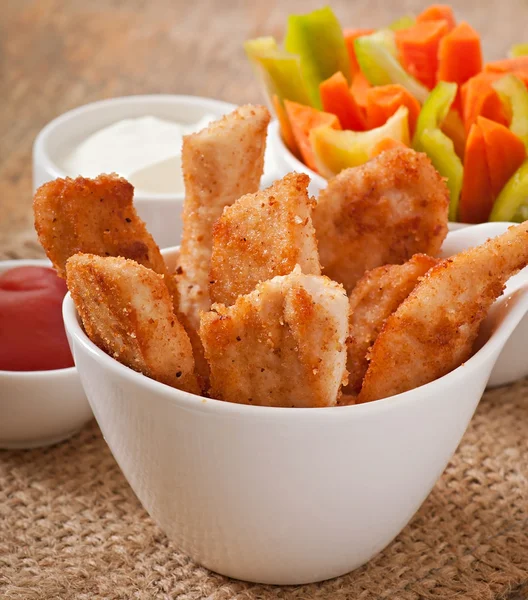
[
  {"x": 384, "y": 100},
  {"x": 438, "y": 12},
  {"x": 418, "y": 49},
  {"x": 338, "y": 100},
  {"x": 505, "y": 153},
  {"x": 480, "y": 99},
  {"x": 520, "y": 63},
  {"x": 285, "y": 127},
  {"x": 359, "y": 88},
  {"x": 302, "y": 120},
  {"x": 476, "y": 199},
  {"x": 459, "y": 55},
  {"x": 350, "y": 36}
]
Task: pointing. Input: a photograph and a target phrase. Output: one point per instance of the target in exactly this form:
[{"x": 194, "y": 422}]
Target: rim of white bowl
[
  {"x": 31, "y": 262},
  {"x": 93, "y": 107},
  {"x": 194, "y": 401}
]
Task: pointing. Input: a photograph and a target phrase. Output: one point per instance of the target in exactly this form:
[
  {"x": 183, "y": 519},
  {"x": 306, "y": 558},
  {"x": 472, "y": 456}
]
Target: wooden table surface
[{"x": 58, "y": 54}]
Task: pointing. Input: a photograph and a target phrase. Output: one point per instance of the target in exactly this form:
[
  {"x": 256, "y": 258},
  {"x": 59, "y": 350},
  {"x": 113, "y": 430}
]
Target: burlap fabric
[{"x": 70, "y": 527}]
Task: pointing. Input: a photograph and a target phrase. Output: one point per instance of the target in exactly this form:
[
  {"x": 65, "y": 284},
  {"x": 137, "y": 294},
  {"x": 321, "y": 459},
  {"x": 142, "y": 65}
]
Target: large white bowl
[
  {"x": 39, "y": 408},
  {"x": 285, "y": 496},
  {"x": 161, "y": 212}
]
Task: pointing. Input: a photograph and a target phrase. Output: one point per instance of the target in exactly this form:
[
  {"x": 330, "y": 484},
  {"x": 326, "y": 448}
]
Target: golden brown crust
[
  {"x": 381, "y": 213},
  {"x": 376, "y": 296},
  {"x": 220, "y": 164},
  {"x": 127, "y": 311},
  {"x": 263, "y": 235},
  {"x": 284, "y": 344},
  {"x": 433, "y": 330}
]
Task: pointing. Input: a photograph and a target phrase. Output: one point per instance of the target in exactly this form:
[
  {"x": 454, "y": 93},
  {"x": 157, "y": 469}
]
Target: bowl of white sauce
[{"x": 138, "y": 137}]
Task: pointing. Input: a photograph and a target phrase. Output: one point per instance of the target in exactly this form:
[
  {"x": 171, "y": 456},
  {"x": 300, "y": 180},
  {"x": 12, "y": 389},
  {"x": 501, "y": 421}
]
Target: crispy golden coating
[
  {"x": 376, "y": 296},
  {"x": 94, "y": 216},
  {"x": 220, "y": 164},
  {"x": 127, "y": 311},
  {"x": 263, "y": 235},
  {"x": 381, "y": 213},
  {"x": 284, "y": 344},
  {"x": 433, "y": 330}
]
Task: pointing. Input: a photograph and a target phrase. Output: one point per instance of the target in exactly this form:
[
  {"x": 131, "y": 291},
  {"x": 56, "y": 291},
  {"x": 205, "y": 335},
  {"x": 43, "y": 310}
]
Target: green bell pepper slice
[
  {"x": 429, "y": 138},
  {"x": 377, "y": 58},
  {"x": 512, "y": 202},
  {"x": 317, "y": 38},
  {"x": 518, "y": 50},
  {"x": 279, "y": 71},
  {"x": 513, "y": 92}
]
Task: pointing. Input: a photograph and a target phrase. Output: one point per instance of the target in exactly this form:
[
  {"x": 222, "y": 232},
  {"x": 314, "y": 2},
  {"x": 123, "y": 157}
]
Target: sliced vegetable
[
  {"x": 508, "y": 65},
  {"x": 438, "y": 12},
  {"x": 384, "y": 100},
  {"x": 302, "y": 120},
  {"x": 462, "y": 41},
  {"x": 337, "y": 99},
  {"x": 476, "y": 199},
  {"x": 453, "y": 127},
  {"x": 505, "y": 153},
  {"x": 285, "y": 127},
  {"x": 430, "y": 139},
  {"x": 512, "y": 203},
  {"x": 318, "y": 39},
  {"x": 479, "y": 98},
  {"x": 279, "y": 71},
  {"x": 359, "y": 89},
  {"x": 513, "y": 92},
  {"x": 350, "y": 36},
  {"x": 402, "y": 23},
  {"x": 518, "y": 50},
  {"x": 418, "y": 49},
  {"x": 338, "y": 150},
  {"x": 376, "y": 55},
  {"x": 384, "y": 145}
]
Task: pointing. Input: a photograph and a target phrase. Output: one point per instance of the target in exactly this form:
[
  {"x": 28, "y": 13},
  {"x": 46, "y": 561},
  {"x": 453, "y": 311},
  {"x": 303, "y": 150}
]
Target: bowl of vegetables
[{"x": 419, "y": 82}]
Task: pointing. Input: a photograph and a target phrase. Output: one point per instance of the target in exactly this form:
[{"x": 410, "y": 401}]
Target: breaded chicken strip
[
  {"x": 94, "y": 216},
  {"x": 284, "y": 344},
  {"x": 381, "y": 213},
  {"x": 374, "y": 298},
  {"x": 126, "y": 310},
  {"x": 433, "y": 330},
  {"x": 220, "y": 164},
  {"x": 263, "y": 235}
]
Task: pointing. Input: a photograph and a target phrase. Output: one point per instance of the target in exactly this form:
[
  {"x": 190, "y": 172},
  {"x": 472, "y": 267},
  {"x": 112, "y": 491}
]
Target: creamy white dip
[{"x": 144, "y": 150}]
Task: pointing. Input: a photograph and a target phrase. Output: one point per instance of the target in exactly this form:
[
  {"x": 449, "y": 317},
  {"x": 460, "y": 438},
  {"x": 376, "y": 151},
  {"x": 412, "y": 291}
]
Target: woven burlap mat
[{"x": 70, "y": 527}]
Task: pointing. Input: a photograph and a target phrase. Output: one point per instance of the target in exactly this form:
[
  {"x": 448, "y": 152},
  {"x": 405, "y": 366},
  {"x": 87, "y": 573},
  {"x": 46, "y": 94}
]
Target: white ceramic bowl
[
  {"x": 39, "y": 408},
  {"x": 161, "y": 212},
  {"x": 285, "y": 496}
]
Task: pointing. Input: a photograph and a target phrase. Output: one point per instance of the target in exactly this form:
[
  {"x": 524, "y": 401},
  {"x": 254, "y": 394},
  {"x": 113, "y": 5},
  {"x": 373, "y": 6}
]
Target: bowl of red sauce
[{"x": 41, "y": 398}]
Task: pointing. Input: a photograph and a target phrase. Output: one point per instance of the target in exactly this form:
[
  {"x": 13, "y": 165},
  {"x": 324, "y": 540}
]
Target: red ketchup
[{"x": 32, "y": 336}]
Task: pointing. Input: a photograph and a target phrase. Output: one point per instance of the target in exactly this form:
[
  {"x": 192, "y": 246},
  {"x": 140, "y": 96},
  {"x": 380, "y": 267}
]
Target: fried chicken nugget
[
  {"x": 374, "y": 298},
  {"x": 263, "y": 235},
  {"x": 95, "y": 216},
  {"x": 433, "y": 330},
  {"x": 127, "y": 311},
  {"x": 220, "y": 164},
  {"x": 284, "y": 344},
  {"x": 381, "y": 213}
]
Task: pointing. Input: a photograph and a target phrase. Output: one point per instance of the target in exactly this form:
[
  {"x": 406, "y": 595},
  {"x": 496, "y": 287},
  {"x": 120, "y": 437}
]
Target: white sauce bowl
[
  {"x": 39, "y": 408},
  {"x": 161, "y": 212},
  {"x": 287, "y": 495}
]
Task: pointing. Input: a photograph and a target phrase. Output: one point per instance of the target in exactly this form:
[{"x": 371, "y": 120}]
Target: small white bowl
[
  {"x": 161, "y": 212},
  {"x": 279, "y": 495},
  {"x": 39, "y": 408}
]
